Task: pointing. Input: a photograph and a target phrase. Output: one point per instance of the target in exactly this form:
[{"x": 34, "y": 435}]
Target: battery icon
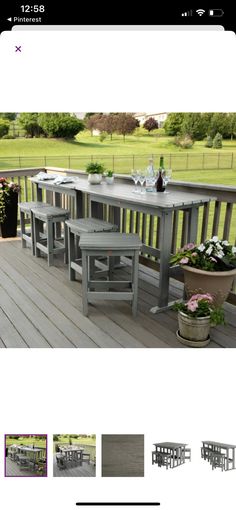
[{"x": 216, "y": 12}]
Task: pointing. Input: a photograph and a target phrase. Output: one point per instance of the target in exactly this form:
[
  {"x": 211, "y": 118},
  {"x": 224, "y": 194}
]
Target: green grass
[
  {"x": 134, "y": 152},
  {"x": 26, "y": 441}
]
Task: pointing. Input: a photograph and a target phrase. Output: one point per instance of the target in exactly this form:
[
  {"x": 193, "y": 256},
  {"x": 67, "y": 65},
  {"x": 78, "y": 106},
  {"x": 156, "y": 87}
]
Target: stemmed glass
[
  {"x": 135, "y": 177},
  {"x": 167, "y": 176},
  {"x": 142, "y": 179}
]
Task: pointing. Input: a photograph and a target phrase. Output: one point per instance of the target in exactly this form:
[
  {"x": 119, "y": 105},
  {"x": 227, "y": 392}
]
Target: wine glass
[
  {"x": 142, "y": 179},
  {"x": 167, "y": 176},
  {"x": 135, "y": 177}
]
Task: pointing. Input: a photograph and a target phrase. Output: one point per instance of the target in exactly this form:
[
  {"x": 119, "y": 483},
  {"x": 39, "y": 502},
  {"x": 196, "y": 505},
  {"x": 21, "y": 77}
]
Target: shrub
[
  {"x": 184, "y": 141},
  {"x": 4, "y": 127},
  {"x": 209, "y": 142},
  {"x": 8, "y": 137},
  {"x": 217, "y": 142},
  {"x": 102, "y": 136}
]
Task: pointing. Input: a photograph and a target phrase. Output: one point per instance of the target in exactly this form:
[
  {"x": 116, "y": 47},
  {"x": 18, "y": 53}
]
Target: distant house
[{"x": 159, "y": 117}]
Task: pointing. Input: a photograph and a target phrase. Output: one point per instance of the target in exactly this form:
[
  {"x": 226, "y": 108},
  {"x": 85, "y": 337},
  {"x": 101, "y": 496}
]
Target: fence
[
  {"x": 215, "y": 218},
  {"x": 123, "y": 164}
]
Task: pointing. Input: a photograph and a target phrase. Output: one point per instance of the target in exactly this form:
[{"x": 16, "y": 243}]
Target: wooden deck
[
  {"x": 40, "y": 307},
  {"x": 84, "y": 470},
  {"x": 13, "y": 469}
]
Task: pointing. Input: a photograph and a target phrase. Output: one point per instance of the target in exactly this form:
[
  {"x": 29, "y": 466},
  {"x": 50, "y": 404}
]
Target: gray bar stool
[
  {"x": 25, "y": 208},
  {"x": 51, "y": 245},
  {"x": 110, "y": 245},
  {"x": 77, "y": 227}
]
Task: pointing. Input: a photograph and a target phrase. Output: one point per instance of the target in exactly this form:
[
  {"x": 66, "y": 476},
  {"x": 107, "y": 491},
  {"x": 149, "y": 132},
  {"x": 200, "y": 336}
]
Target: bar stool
[
  {"x": 77, "y": 227},
  {"x": 25, "y": 215},
  {"x": 217, "y": 459},
  {"x": 51, "y": 245},
  {"x": 110, "y": 245}
]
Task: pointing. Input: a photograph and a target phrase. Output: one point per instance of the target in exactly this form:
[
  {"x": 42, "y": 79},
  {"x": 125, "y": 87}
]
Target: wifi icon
[{"x": 200, "y": 12}]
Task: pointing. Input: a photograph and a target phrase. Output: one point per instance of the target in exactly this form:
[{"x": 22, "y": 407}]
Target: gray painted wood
[
  {"x": 86, "y": 470},
  {"x": 110, "y": 324},
  {"x": 123, "y": 455}
]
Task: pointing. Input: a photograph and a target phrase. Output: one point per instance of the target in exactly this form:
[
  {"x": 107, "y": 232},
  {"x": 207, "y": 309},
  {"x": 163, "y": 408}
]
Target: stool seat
[
  {"x": 52, "y": 244},
  {"x": 109, "y": 244},
  {"x": 25, "y": 208},
  {"x": 89, "y": 225},
  {"x": 75, "y": 229},
  {"x": 50, "y": 212},
  {"x": 115, "y": 241}
]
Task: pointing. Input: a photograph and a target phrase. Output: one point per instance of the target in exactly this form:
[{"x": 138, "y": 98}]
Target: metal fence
[{"x": 124, "y": 163}]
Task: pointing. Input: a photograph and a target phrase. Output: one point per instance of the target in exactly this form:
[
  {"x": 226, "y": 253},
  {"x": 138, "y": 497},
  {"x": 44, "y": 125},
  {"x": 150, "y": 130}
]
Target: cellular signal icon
[
  {"x": 187, "y": 13},
  {"x": 200, "y": 12}
]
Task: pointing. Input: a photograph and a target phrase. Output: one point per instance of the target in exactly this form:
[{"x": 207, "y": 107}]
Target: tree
[
  {"x": 4, "y": 127},
  {"x": 219, "y": 124},
  {"x": 209, "y": 142},
  {"x": 108, "y": 123},
  {"x": 150, "y": 124},
  {"x": 126, "y": 124},
  {"x": 8, "y": 116},
  {"x": 232, "y": 125},
  {"x": 217, "y": 142},
  {"x": 60, "y": 125},
  {"x": 30, "y": 123},
  {"x": 92, "y": 122},
  {"x": 194, "y": 125},
  {"x": 173, "y": 124}
]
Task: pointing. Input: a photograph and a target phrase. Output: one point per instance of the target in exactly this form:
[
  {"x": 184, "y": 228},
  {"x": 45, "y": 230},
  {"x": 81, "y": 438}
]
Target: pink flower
[
  {"x": 192, "y": 306},
  {"x": 184, "y": 260},
  {"x": 199, "y": 297},
  {"x": 194, "y": 254},
  {"x": 189, "y": 246}
]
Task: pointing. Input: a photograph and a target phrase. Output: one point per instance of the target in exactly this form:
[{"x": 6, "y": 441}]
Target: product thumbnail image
[
  {"x": 25, "y": 455},
  {"x": 221, "y": 455},
  {"x": 74, "y": 455},
  {"x": 170, "y": 455},
  {"x": 123, "y": 455}
]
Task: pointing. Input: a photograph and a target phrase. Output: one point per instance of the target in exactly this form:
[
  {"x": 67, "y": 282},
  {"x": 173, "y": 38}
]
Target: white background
[{"x": 168, "y": 395}]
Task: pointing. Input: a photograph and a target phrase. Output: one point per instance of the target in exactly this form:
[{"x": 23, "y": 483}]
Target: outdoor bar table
[
  {"x": 71, "y": 451},
  {"x": 223, "y": 447},
  {"x": 177, "y": 451},
  {"x": 122, "y": 196}
]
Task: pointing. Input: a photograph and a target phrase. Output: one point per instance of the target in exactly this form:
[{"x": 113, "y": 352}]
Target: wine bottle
[{"x": 160, "y": 182}]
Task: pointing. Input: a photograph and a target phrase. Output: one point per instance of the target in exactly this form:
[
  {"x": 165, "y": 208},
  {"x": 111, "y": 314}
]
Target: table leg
[
  {"x": 79, "y": 197},
  {"x": 115, "y": 219},
  {"x": 57, "y": 203},
  {"x": 39, "y": 193},
  {"x": 165, "y": 245},
  {"x": 192, "y": 225}
]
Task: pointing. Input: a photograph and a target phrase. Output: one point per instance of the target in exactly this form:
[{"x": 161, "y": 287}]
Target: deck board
[{"x": 40, "y": 307}]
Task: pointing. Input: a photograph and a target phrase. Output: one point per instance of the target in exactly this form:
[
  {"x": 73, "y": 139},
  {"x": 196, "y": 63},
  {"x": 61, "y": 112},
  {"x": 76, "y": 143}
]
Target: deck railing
[{"x": 215, "y": 218}]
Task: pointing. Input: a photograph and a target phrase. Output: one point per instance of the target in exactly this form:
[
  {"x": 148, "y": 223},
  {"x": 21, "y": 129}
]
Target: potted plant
[
  {"x": 95, "y": 171},
  {"x": 208, "y": 268},
  {"x": 109, "y": 177},
  {"x": 8, "y": 207},
  {"x": 195, "y": 318}
]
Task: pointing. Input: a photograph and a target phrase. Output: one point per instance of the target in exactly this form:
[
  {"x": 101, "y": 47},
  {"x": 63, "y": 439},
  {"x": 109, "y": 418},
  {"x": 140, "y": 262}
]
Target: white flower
[
  {"x": 209, "y": 250},
  {"x": 220, "y": 254},
  {"x": 215, "y": 239},
  {"x": 201, "y": 247},
  {"x": 218, "y": 246},
  {"x": 225, "y": 243},
  {"x": 233, "y": 249}
]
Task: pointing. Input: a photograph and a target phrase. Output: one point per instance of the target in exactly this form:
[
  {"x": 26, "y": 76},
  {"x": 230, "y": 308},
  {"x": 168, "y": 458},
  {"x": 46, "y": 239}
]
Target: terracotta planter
[
  {"x": 194, "y": 332},
  {"x": 9, "y": 226},
  {"x": 217, "y": 283},
  {"x": 95, "y": 178}
]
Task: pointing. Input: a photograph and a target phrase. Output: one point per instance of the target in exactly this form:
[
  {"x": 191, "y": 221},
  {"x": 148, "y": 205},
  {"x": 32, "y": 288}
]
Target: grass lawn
[
  {"x": 26, "y": 441},
  {"x": 123, "y": 156}
]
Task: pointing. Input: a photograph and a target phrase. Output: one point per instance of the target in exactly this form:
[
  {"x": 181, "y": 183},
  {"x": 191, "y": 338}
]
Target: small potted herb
[
  {"x": 109, "y": 177},
  {"x": 195, "y": 318},
  {"x": 95, "y": 171}
]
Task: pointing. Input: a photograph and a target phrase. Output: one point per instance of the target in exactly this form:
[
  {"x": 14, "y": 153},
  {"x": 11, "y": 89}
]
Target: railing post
[
  {"x": 232, "y": 159},
  {"x": 68, "y": 161},
  {"x": 203, "y": 161},
  {"x": 133, "y": 161},
  {"x": 113, "y": 163},
  {"x": 19, "y": 161},
  {"x": 218, "y": 161},
  {"x": 187, "y": 161}
]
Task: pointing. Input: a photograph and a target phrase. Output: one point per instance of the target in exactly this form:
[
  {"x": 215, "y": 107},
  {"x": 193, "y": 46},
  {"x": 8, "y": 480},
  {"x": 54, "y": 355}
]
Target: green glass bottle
[{"x": 160, "y": 182}]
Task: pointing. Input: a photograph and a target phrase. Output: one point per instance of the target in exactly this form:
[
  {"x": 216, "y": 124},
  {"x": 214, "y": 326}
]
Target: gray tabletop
[
  {"x": 124, "y": 192},
  {"x": 170, "y": 445},
  {"x": 222, "y": 445}
]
